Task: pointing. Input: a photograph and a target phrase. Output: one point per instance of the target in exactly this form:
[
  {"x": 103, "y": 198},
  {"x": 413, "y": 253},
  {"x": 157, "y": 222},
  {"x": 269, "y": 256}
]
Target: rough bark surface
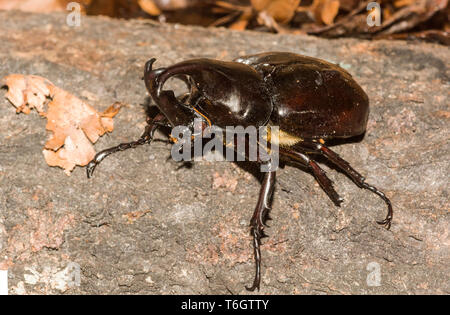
[{"x": 142, "y": 224}]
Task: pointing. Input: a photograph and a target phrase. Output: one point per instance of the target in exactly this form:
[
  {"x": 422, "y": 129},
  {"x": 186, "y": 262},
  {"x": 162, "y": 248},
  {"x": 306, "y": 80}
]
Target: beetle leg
[
  {"x": 319, "y": 173},
  {"x": 357, "y": 178},
  {"x": 257, "y": 223},
  {"x": 147, "y": 137}
]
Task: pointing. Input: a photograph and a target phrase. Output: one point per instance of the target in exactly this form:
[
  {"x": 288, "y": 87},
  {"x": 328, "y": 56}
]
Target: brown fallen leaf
[
  {"x": 281, "y": 11},
  {"x": 74, "y": 124},
  {"x": 325, "y": 10},
  {"x": 232, "y": 11},
  {"x": 240, "y": 24},
  {"x": 260, "y": 5},
  {"x": 353, "y": 23},
  {"x": 149, "y": 7},
  {"x": 403, "y": 3},
  {"x": 412, "y": 16},
  {"x": 42, "y": 6},
  {"x": 348, "y": 5},
  {"x": 402, "y": 16}
]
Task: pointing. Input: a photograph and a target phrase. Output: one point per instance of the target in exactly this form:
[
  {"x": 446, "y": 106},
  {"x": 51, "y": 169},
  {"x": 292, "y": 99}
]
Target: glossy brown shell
[{"x": 312, "y": 98}]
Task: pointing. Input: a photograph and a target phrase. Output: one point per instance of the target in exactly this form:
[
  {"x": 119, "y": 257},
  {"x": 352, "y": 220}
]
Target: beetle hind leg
[
  {"x": 357, "y": 178},
  {"x": 147, "y": 137},
  {"x": 318, "y": 172}
]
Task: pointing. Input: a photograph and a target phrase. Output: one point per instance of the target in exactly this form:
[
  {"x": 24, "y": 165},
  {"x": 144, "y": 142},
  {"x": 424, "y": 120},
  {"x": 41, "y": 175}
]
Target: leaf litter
[{"x": 74, "y": 124}]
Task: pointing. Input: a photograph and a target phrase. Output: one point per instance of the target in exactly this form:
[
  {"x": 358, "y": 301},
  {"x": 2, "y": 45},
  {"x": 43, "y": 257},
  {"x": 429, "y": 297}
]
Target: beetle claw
[
  {"x": 95, "y": 161},
  {"x": 386, "y": 222},
  {"x": 90, "y": 168},
  {"x": 252, "y": 288}
]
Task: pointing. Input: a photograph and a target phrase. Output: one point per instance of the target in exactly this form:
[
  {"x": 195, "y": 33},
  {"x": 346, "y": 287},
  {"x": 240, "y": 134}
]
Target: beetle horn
[
  {"x": 151, "y": 77},
  {"x": 166, "y": 101}
]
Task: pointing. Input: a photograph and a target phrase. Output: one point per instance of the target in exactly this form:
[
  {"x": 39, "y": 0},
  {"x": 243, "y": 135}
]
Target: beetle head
[
  {"x": 168, "y": 104},
  {"x": 224, "y": 93}
]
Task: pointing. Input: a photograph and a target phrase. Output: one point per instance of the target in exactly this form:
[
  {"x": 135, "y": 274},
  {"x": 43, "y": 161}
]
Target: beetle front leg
[
  {"x": 357, "y": 178},
  {"x": 257, "y": 223},
  {"x": 147, "y": 137}
]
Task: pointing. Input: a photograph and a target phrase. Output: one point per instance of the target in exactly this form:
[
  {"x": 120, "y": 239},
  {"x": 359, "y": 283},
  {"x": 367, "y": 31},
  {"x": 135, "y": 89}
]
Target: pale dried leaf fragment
[
  {"x": 74, "y": 124},
  {"x": 149, "y": 7},
  {"x": 108, "y": 114},
  {"x": 41, "y": 6},
  {"x": 26, "y": 92}
]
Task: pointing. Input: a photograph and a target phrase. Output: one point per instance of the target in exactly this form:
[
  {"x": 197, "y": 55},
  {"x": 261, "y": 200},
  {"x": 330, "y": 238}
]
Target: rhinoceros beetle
[{"x": 311, "y": 101}]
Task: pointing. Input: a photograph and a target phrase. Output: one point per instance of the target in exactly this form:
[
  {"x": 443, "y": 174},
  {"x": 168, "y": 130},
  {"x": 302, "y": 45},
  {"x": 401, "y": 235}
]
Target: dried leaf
[
  {"x": 266, "y": 19},
  {"x": 112, "y": 110},
  {"x": 109, "y": 113},
  {"x": 74, "y": 124},
  {"x": 411, "y": 16},
  {"x": 407, "y": 18},
  {"x": 239, "y": 25},
  {"x": 26, "y": 92},
  {"x": 149, "y": 7},
  {"x": 325, "y": 11},
  {"x": 227, "y": 6},
  {"x": 114, "y": 8},
  {"x": 348, "y": 5},
  {"x": 227, "y": 19},
  {"x": 260, "y": 5},
  {"x": 403, "y": 3},
  {"x": 353, "y": 23},
  {"x": 281, "y": 11},
  {"x": 238, "y": 16},
  {"x": 243, "y": 21},
  {"x": 42, "y": 6}
]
